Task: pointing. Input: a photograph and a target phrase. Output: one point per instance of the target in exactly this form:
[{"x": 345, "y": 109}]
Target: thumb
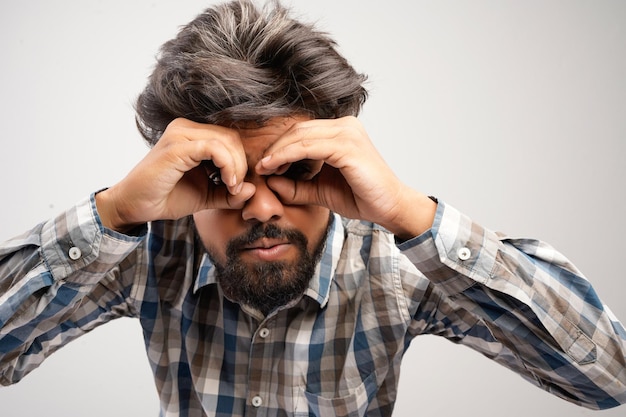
[
  {"x": 220, "y": 198},
  {"x": 294, "y": 192}
]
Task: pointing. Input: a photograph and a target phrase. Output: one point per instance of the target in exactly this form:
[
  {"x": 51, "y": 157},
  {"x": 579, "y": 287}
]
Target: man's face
[{"x": 265, "y": 253}]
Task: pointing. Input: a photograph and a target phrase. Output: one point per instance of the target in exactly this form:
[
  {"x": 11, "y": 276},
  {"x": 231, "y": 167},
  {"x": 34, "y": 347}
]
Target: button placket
[{"x": 262, "y": 356}]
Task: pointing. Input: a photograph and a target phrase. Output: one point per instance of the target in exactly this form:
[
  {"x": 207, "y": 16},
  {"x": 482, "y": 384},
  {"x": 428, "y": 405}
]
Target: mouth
[{"x": 268, "y": 250}]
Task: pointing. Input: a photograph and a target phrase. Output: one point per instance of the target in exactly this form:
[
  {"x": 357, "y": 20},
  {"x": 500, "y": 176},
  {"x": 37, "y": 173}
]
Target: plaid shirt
[{"x": 334, "y": 352}]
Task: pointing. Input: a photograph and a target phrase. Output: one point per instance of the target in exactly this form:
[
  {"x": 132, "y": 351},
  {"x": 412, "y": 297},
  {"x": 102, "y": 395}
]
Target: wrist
[
  {"x": 415, "y": 215},
  {"x": 109, "y": 213}
]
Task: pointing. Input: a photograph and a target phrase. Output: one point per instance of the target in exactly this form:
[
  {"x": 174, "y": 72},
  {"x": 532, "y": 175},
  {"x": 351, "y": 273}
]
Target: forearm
[
  {"x": 533, "y": 301},
  {"x": 45, "y": 276}
]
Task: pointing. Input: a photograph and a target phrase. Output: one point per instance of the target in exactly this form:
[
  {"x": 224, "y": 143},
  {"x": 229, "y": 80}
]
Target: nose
[{"x": 264, "y": 205}]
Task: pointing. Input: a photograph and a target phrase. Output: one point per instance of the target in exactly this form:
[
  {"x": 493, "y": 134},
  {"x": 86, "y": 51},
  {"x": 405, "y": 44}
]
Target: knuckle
[
  {"x": 300, "y": 129},
  {"x": 228, "y": 135},
  {"x": 307, "y": 143},
  {"x": 178, "y": 124}
]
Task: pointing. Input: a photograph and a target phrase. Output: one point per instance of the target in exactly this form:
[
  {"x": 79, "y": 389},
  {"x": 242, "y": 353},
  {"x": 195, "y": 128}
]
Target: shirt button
[
  {"x": 257, "y": 401},
  {"x": 464, "y": 254},
  {"x": 264, "y": 332},
  {"x": 74, "y": 253}
]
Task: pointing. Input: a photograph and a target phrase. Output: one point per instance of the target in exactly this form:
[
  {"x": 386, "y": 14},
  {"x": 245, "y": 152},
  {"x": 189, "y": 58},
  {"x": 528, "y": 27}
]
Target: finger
[
  {"x": 293, "y": 192},
  {"x": 334, "y": 141},
  {"x": 209, "y": 142},
  {"x": 282, "y": 169},
  {"x": 314, "y": 167},
  {"x": 320, "y": 150},
  {"x": 329, "y": 190},
  {"x": 223, "y": 163},
  {"x": 219, "y": 198},
  {"x": 302, "y": 135},
  {"x": 232, "y": 167}
]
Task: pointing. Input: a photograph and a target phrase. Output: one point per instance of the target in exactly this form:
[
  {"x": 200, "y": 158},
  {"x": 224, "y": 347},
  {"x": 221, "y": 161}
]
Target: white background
[{"x": 512, "y": 111}]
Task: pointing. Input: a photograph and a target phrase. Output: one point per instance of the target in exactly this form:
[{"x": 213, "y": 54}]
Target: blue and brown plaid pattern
[{"x": 334, "y": 352}]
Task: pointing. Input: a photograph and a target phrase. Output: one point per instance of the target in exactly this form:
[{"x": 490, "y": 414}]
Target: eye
[
  {"x": 212, "y": 172},
  {"x": 300, "y": 170}
]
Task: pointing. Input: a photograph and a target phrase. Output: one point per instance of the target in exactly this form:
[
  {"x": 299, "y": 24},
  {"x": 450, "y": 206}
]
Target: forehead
[{"x": 257, "y": 140}]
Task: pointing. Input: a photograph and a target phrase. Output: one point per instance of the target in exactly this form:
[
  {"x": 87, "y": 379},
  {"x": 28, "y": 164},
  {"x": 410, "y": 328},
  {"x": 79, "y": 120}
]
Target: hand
[
  {"x": 349, "y": 176},
  {"x": 170, "y": 182}
]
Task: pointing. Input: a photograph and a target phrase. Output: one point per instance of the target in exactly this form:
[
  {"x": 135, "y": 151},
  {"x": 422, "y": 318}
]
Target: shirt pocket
[{"x": 354, "y": 404}]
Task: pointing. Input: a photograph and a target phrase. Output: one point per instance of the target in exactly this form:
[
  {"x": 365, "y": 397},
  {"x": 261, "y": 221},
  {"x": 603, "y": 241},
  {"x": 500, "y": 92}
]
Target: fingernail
[
  {"x": 233, "y": 181},
  {"x": 238, "y": 189},
  {"x": 266, "y": 159}
]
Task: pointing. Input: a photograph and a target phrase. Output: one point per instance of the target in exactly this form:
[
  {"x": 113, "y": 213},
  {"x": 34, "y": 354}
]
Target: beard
[{"x": 266, "y": 286}]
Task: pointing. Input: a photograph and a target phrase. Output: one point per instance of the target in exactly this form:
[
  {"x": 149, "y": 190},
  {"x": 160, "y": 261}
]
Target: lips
[
  {"x": 265, "y": 243},
  {"x": 267, "y": 249}
]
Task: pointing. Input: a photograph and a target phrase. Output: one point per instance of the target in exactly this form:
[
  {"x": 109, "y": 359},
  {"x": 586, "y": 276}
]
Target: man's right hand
[{"x": 170, "y": 183}]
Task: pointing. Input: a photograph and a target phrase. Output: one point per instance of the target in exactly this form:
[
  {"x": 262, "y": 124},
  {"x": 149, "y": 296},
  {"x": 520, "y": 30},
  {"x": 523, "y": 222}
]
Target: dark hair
[{"x": 236, "y": 63}]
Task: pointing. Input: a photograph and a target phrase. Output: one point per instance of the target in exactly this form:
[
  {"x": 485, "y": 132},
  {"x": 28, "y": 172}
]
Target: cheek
[
  {"x": 313, "y": 222},
  {"x": 215, "y": 230}
]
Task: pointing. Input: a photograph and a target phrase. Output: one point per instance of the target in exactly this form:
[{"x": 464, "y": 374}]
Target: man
[{"x": 256, "y": 293}]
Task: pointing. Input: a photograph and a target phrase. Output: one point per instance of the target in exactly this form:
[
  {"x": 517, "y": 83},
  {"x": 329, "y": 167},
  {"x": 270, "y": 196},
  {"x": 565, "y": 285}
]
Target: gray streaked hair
[{"x": 236, "y": 63}]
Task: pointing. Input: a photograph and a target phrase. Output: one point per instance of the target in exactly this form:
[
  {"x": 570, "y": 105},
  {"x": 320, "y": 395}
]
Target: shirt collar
[{"x": 319, "y": 286}]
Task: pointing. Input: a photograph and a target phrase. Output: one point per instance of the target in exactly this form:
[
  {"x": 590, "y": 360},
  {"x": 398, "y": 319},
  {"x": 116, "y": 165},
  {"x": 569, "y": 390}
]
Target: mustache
[{"x": 265, "y": 230}]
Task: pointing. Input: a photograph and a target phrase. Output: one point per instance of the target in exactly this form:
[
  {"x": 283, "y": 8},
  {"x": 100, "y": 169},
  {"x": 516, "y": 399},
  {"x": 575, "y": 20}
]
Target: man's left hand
[{"x": 349, "y": 176}]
